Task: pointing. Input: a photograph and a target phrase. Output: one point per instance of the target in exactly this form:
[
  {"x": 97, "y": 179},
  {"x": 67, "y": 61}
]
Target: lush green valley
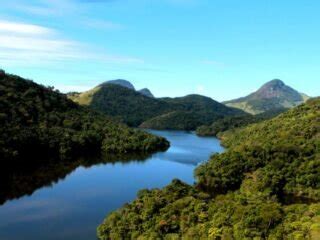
[
  {"x": 193, "y": 111},
  {"x": 38, "y": 121},
  {"x": 265, "y": 186},
  {"x": 137, "y": 109},
  {"x": 229, "y": 123},
  {"x": 119, "y": 98}
]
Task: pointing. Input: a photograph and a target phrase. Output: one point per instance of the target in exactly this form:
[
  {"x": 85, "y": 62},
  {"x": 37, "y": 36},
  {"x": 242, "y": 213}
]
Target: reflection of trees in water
[{"x": 19, "y": 180}]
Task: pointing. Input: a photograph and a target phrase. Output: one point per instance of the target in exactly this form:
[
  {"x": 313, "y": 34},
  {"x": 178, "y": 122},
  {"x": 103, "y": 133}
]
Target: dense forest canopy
[
  {"x": 37, "y": 120},
  {"x": 233, "y": 122},
  {"x": 136, "y": 109},
  {"x": 194, "y": 111},
  {"x": 265, "y": 186},
  {"x": 177, "y": 120},
  {"x": 129, "y": 106}
]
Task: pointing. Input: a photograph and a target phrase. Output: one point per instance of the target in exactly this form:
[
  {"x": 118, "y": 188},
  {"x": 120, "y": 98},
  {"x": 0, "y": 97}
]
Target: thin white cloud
[
  {"x": 36, "y": 10},
  {"x": 47, "y": 7},
  {"x": 33, "y": 43},
  {"x": 14, "y": 27},
  {"x": 62, "y": 8},
  {"x": 30, "y": 44}
]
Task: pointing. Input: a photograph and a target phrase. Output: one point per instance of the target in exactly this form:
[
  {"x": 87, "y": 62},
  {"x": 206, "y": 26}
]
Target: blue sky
[{"x": 220, "y": 48}]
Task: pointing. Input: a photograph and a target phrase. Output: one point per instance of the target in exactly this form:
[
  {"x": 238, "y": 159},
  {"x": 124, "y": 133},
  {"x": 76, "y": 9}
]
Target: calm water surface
[{"x": 68, "y": 201}]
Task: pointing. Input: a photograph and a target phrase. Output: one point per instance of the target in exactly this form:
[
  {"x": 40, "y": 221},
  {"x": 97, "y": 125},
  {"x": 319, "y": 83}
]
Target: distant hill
[
  {"x": 124, "y": 83},
  {"x": 146, "y": 92},
  {"x": 135, "y": 109},
  {"x": 202, "y": 104},
  {"x": 233, "y": 122},
  {"x": 176, "y": 120},
  {"x": 272, "y": 95},
  {"x": 121, "y": 82},
  {"x": 36, "y": 120},
  {"x": 193, "y": 111},
  {"x": 130, "y": 106}
]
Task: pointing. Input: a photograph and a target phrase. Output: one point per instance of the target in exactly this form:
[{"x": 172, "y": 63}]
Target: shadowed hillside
[
  {"x": 35, "y": 120},
  {"x": 194, "y": 111}
]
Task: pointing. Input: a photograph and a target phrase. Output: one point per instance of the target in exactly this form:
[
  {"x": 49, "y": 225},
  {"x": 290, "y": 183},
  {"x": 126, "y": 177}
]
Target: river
[{"x": 69, "y": 200}]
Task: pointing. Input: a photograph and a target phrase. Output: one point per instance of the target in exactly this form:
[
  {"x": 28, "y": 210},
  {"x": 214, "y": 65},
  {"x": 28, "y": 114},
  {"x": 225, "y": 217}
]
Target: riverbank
[{"x": 68, "y": 201}]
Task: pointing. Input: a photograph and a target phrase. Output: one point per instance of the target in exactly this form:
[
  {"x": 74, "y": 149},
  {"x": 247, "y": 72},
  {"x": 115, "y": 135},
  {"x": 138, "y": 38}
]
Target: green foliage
[
  {"x": 265, "y": 186},
  {"x": 195, "y": 110},
  {"x": 177, "y": 120},
  {"x": 180, "y": 212},
  {"x": 153, "y": 214},
  {"x": 300, "y": 221},
  {"x": 232, "y": 122},
  {"x": 136, "y": 109},
  {"x": 36, "y": 120},
  {"x": 128, "y": 105},
  {"x": 285, "y": 148}
]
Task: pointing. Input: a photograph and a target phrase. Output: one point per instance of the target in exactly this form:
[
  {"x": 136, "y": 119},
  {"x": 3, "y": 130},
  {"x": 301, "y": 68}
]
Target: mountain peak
[
  {"x": 277, "y": 89},
  {"x": 120, "y": 82},
  {"x": 274, "y": 94},
  {"x": 125, "y": 83},
  {"x": 275, "y": 83},
  {"x": 146, "y": 92}
]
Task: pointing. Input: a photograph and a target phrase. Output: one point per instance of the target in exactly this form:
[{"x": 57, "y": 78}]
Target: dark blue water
[{"x": 70, "y": 201}]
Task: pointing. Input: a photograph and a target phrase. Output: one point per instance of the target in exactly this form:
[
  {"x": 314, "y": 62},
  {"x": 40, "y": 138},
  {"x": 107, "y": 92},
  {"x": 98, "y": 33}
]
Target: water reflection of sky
[
  {"x": 188, "y": 148},
  {"x": 73, "y": 208}
]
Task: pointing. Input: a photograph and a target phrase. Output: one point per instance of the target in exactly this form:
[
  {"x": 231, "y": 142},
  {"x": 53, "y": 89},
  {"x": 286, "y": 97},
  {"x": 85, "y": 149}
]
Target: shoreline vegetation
[
  {"x": 121, "y": 100},
  {"x": 240, "y": 194},
  {"x": 229, "y": 123},
  {"x": 265, "y": 186},
  {"x": 37, "y": 122},
  {"x": 118, "y": 98}
]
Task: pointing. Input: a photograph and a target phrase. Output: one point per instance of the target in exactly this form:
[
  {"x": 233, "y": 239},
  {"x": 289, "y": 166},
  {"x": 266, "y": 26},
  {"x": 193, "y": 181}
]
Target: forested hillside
[
  {"x": 202, "y": 104},
  {"x": 146, "y": 92},
  {"x": 177, "y": 120},
  {"x": 137, "y": 109},
  {"x": 265, "y": 186},
  {"x": 129, "y": 106},
  {"x": 233, "y": 122},
  {"x": 35, "y": 120},
  {"x": 193, "y": 111}
]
